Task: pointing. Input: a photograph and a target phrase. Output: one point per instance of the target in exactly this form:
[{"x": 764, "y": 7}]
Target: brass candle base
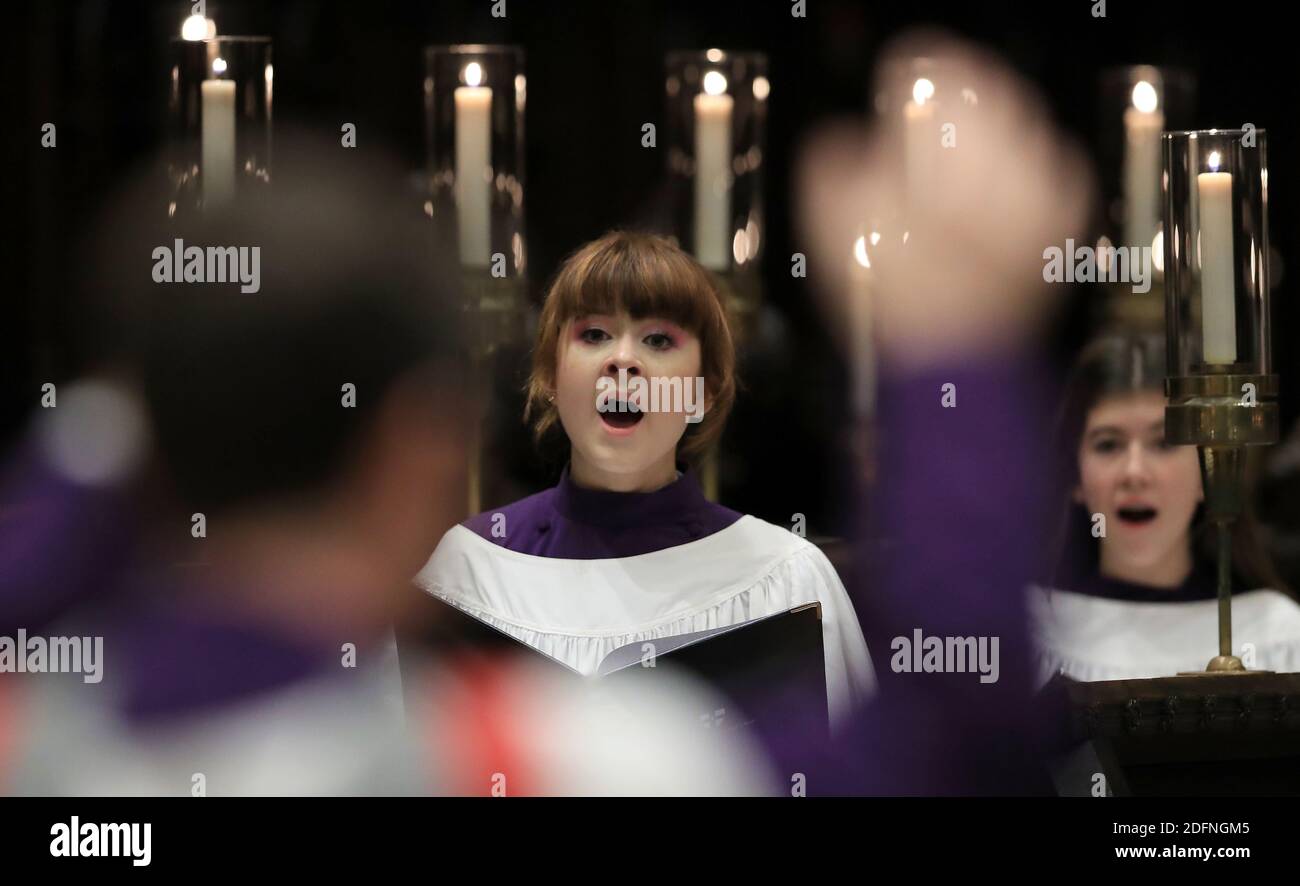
[
  {"x": 1222, "y": 666},
  {"x": 1221, "y": 412}
]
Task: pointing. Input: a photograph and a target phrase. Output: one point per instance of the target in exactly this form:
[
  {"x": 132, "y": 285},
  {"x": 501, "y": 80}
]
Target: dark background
[{"x": 97, "y": 69}]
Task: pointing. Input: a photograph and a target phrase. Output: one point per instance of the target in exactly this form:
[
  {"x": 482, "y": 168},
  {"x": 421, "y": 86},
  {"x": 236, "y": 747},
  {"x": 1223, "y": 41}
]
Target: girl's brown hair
[{"x": 647, "y": 276}]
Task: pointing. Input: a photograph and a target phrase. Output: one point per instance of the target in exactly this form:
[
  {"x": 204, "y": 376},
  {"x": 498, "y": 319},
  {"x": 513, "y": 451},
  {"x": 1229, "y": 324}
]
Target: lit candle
[
  {"x": 713, "y": 173},
  {"x": 218, "y": 139},
  {"x": 1218, "y": 305},
  {"x": 474, "y": 167},
  {"x": 862, "y": 342},
  {"x": 1142, "y": 126},
  {"x": 920, "y": 138}
]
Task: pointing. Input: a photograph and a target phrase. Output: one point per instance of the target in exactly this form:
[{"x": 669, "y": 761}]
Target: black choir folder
[{"x": 771, "y": 671}]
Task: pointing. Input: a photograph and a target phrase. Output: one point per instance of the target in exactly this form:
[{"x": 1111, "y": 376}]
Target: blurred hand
[{"x": 979, "y": 201}]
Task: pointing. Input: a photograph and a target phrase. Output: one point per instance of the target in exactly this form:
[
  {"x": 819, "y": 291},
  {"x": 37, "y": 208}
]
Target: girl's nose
[
  {"x": 1135, "y": 464},
  {"x": 624, "y": 357}
]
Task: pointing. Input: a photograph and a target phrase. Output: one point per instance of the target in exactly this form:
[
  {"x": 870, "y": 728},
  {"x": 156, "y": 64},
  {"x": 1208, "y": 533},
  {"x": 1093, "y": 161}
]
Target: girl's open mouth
[
  {"x": 1137, "y": 515},
  {"x": 621, "y": 415}
]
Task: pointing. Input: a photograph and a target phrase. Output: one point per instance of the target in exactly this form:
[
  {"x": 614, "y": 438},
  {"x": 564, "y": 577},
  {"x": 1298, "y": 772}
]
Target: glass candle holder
[
  {"x": 474, "y": 98},
  {"x": 717, "y": 118},
  {"x": 1216, "y": 255},
  {"x": 219, "y": 113}
]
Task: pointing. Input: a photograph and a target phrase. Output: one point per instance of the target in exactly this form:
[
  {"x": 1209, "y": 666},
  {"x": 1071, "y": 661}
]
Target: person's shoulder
[
  {"x": 1279, "y": 611},
  {"x": 780, "y": 546},
  {"x": 770, "y": 537}
]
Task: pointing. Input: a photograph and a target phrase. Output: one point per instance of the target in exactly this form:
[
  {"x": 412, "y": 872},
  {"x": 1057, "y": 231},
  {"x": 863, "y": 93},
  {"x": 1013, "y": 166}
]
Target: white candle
[
  {"x": 474, "y": 167},
  {"x": 218, "y": 142},
  {"x": 1142, "y": 126},
  {"x": 713, "y": 173},
  {"x": 862, "y": 341},
  {"x": 1218, "y": 306},
  {"x": 920, "y": 138}
]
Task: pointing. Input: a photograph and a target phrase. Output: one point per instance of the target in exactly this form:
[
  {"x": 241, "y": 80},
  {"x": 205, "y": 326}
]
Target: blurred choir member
[
  {"x": 305, "y": 448},
  {"x": 309, "y": 442},
  {"x": 959, "y": 501}
]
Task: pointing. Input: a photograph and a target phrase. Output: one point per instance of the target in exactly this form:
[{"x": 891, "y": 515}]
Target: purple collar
[
  {"x": 573, "y": 523},
  {"x": 617, "y": 510}
]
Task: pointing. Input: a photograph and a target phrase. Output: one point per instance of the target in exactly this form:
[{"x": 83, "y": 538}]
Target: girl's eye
[
  {"x": 1106, "y": 445},
  {"x": 593, "y": 335},
  {"x": 660, "y": 341}
]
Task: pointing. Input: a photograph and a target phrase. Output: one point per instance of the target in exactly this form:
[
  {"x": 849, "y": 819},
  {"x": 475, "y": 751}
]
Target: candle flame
[
  {"x": 218, "y": 65},
  {"x": 860, "y": 252},
  {"x": 1158, "y": 251},
  {"x": 1214, "y": 161},
  {"x": 715, "y": 83},
  {"x": 1145, "y": 98},
  {"x": 762, "y": 88},
  {"x": 473, "y": 74},
  {"x": 922, "y": 91},
  {"x": 196, "y": 27}
]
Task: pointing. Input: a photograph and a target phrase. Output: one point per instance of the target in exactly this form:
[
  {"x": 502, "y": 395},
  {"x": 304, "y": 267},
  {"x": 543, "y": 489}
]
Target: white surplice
[
  {"x": 1091, "y": 638},
  {"x": 579, "y": 611}
]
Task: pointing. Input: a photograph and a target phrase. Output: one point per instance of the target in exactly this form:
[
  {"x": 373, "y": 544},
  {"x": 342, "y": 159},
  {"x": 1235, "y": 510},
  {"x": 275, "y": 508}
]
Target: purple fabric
[
  {"x": 961, "y": 501},
  {"x": 573, "y": 523},
  {"x": 61, "y": 543},
  {"x": 176, "y": 649},
  {"x": 1201, "y": 584}
]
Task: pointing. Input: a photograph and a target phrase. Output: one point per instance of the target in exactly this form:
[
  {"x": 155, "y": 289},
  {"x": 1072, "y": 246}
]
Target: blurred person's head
[
  {"x": 637, "y": 305},
  {"x": 314, "y": 422},
  {"x": 1122, "y": 475}
]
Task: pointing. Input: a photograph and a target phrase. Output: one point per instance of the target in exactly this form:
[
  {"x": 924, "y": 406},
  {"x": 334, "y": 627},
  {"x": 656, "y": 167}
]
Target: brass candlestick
[
  {"x": 1216, "y": 411},
  {"x": 1221, "y": 389}
]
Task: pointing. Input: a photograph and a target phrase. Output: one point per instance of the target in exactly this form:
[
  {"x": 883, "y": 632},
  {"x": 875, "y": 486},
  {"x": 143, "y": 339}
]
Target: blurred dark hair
[
  {"x": 1126, "y": 363},
  {"x": 245, "y": 389}
]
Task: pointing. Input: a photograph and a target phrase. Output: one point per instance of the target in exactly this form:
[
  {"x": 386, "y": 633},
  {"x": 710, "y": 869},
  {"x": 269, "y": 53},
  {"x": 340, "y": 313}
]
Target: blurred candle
[
  {"x": 1218, "y": 305},
  {"x": 473, "y": 166},
  {"x": 920, "y": 139},
  {"x": 713, "y": 173},
  {"x": 218, "y": 141},
  {"x": 862, "y": 341},
  {"x": 1142, "y": 126}
]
